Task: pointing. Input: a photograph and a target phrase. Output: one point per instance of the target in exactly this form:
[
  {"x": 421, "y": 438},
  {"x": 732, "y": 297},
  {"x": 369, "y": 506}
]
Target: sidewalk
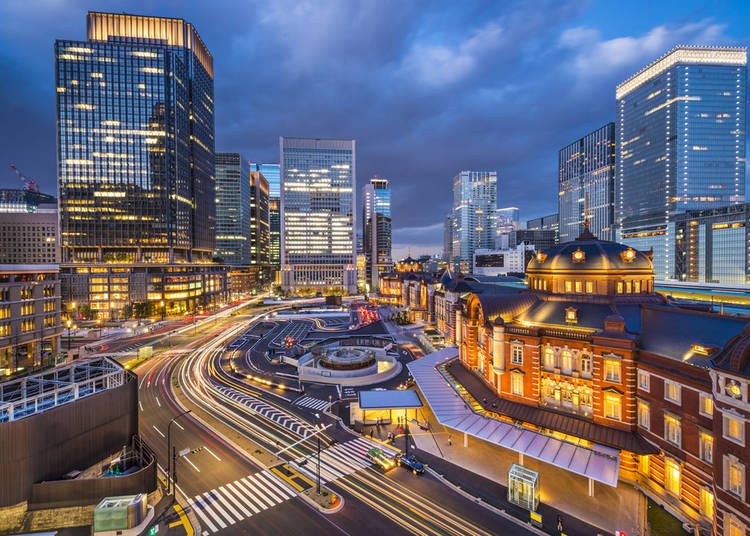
[{"x": 562, "y": 493}]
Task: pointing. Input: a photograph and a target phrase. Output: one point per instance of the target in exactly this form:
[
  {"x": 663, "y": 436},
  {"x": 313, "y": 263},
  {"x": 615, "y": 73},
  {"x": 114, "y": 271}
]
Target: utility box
[{"x": 120, "y": 513}]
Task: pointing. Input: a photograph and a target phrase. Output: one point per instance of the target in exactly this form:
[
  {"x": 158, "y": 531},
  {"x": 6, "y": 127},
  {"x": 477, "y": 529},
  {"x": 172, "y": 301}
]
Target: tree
[
  {"x": 127, "y": 311},
  {"x": 140, "y": 310},
  {"x": 86, "y": 312}
]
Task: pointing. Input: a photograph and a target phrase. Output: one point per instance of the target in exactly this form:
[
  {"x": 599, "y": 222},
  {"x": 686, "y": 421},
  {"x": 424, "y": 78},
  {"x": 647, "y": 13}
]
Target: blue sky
[{"x": 426, "y": 88}]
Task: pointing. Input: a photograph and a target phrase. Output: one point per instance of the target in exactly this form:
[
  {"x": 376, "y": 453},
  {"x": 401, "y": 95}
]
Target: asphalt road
[{"x": 231, "y": 493}]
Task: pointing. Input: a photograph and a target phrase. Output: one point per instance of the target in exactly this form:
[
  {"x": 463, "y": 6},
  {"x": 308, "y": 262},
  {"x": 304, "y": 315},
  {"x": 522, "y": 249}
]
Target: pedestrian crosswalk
[
  {"x": 226, "y": 505},
  {"x": 341, "y": 459},
  {"x": 222, "y": 507},
  {"x": 312, "y": 403},
  {"x": 288, "y": 421}
]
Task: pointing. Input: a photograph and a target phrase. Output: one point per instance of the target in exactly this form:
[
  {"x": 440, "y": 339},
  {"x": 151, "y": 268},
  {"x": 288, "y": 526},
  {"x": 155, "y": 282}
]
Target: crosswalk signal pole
[{"x": 174, "y": 469}]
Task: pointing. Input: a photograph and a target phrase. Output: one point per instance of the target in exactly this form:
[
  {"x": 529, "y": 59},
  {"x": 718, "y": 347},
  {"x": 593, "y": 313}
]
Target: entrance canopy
[
  {"x": 397, "y": 399},
  {"x": 598, "y": 463}
]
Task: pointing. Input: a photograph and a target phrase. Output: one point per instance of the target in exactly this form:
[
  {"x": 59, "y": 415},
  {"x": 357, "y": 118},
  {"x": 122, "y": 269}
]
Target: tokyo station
[{"x": 591, "y": 370}]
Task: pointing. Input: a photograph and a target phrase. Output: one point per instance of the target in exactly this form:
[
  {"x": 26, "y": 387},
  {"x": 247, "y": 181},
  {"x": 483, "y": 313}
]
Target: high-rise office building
[
  {"x": 474, "y": 215},
  {"x": 135, "y": 144},
  {"x": 28, "y": 228},
  {"x": 233, "y": 208},
  {"x": 587, "y": 169},
  {"x": 448, "y": 239},
  {"x": 546, "y": 223},
  {"x": 681, "y": 125},
  {"x": 507, "y": 222},
  {"x": 259, "y": 219},
  {"x": 272, "y": 173},
  {"x": 376, "y": 230},
  {"x": 318, "y": 215}
]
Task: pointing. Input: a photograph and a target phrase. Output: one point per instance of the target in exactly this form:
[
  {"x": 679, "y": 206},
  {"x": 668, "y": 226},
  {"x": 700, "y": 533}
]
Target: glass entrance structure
[{"x": 523, "y": 487}]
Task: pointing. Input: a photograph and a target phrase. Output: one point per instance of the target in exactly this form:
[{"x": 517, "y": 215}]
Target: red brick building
[{"x": 591, "y": 353}]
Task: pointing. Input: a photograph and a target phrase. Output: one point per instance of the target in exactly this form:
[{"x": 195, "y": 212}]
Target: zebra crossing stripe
[
  {"x": 197, "y": 506},
  {"x": 270, "y": 493},
  {"x": 282, "y": 490},
  {"x": 259, "y": 498},
  {"x": 220, "y": 503},
  {"x": 209, "y": 508},
  {"x": 239, "y": 491},
  {"x": 234, "y": 501},
  {"x": 253, "y": 502}
]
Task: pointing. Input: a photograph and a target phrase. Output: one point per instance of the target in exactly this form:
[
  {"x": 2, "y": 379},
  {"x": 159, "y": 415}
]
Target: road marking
[
  {"x": 158, "y": 431},
  {"x": 209, "y": 504},
  {"x": 234, "y": 500},
  {"x": 179, "y": 426},
  {"x": 140, "y": 405},
  {"x": 191, "y": 463},
  {"x": 246, "y": 495},
  {"x": 211, "y": 452},
  {"x": 203, "y": 516},
  {"x": 220, "y": 497},
  {"x": 276, "y": 485},
  {"x": 260, "y": 498},
  {"x": 184, "y": 521},
  {"x": 157, "y": 400}
]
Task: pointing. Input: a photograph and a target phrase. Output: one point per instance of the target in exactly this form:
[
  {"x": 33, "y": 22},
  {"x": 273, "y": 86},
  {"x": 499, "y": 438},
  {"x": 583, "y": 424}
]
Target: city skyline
[{"x": 460, "y": 96}]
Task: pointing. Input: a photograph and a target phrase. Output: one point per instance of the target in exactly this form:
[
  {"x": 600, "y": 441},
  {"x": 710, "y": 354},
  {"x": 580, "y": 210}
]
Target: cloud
[{"x": 594, "y": 56}]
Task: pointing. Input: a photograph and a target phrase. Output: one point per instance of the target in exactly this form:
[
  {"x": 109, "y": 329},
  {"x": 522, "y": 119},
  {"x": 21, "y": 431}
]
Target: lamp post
[
  {"x": 317, "y": 417},
  {"x": 163, "y": 310},
  {"x": 69, "y": 323},
  {"x": 171, "y": 467}
]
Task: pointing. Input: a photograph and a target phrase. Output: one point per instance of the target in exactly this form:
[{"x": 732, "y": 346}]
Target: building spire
[{"x": 586, "y": 234}]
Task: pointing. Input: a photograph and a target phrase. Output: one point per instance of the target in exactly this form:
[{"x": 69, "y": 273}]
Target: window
[
  {"x": 644, "y": 415},
  {"x": 589, "y": 287},
  {"x": 516, "y": 354},
  {"x": 636, "y": 286},
  {"x": 619, "y": 287},
  {"x": 612, "y": 370},
  {"x": 567, "y": 361},
  {"x": 706, "y": 405},
  {"x": 672, "y": 477},
  {"x": 568, "y": 286},
  {"x": 672, "y": 392},
  {"x": 734, "y": 429},
  {"x": 579, "y": 286},
  {"x": 733, "y": 526},
  {"x": 706, "y": 446},
  {"x": 643, "y": 465},
  {"x": 672, "y": 430},
  {"x": 612, "y": 406},
  {"x": 516, "y": 383},
  {"x": 644, "y": 380},
  {"x": 707, "y": 503},
  {"x": 734, "y": 476},
  {"x": 549, "y": 358},
  {"x": 585, "y": 364}
]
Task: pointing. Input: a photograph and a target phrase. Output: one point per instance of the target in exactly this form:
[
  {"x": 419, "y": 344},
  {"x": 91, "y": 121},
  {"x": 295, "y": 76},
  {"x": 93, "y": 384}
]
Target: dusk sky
[{"x": 426, "y": 88}]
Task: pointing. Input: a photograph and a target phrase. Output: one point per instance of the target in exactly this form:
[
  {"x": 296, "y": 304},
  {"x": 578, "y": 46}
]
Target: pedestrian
[
  {"x": 379, "y": 420},
  {"x": 559, "y": 523},
  {"x": 450, "y": 440}
]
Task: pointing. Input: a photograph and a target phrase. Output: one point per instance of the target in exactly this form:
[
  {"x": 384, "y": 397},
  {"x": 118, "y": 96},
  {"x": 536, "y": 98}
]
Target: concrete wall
[{"x": 71, "y": 436}]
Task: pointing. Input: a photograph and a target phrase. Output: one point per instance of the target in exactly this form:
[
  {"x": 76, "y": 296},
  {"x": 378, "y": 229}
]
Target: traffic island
[{"x": 327, "y": 502}]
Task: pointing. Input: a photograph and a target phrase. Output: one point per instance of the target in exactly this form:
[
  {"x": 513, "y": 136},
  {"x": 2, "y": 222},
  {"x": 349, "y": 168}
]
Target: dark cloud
[{"x": 427, "y": 89}]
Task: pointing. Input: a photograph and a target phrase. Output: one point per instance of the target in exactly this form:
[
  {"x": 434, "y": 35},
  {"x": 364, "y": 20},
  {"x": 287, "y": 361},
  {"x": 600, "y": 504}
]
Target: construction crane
[{"x": 29, "y": 185}]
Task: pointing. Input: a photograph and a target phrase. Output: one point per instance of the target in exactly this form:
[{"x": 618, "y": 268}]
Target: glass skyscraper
[
  {"x": 587, "y": 166},
  {"x": 376, "y": 230},
  {"x": 259, "y": 218},
  {"x": 233, "y": 208},
  {"x": 318, "y": 215},
  {"x": 474, "y": 215},
  {"x": 681, "y": 124},
  {"x": 272, "y": 173},
  {"x": 135, "y": 144}
]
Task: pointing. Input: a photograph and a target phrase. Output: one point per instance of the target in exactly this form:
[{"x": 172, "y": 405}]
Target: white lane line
[
  {"x": 209, "y": 505},
  {"x": 179, "y": 426},
  {"x": 198, "y": 503},
  {"x": 157, "y": 400},
  {"x": 158, "y": 431},
  {"x": 260, "y": 498},
  {"x": 140, "y": 405},
  {"x": 227, "y": 504},
  {"x": 231, "y": 497},
  {"x": 191, "y": 463},
  {"x": 246, "y": 495},
  {"x": 211, "y": 452},
  {"x": 281, "y": 490}
]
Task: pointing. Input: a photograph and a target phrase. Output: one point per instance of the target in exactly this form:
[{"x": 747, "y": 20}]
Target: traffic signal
[{"x": 196, "y": 450}]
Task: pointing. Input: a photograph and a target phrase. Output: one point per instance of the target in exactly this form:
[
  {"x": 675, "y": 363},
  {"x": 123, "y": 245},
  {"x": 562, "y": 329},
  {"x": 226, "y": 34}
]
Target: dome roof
[{"x": 587, "y": 254}]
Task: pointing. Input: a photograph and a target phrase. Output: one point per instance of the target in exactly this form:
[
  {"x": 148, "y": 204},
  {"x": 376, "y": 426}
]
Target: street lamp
[
  {"x": 317, "y": 417},
  {"x": 173, "y": 466},
  {"x": 163, "y": 310}
]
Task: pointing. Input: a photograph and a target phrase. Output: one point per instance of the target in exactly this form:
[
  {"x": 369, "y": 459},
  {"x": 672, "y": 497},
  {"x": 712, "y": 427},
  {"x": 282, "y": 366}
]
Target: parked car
[
  {"x": 381, "y": 458},
  {"x": 411, "y": 462}
]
